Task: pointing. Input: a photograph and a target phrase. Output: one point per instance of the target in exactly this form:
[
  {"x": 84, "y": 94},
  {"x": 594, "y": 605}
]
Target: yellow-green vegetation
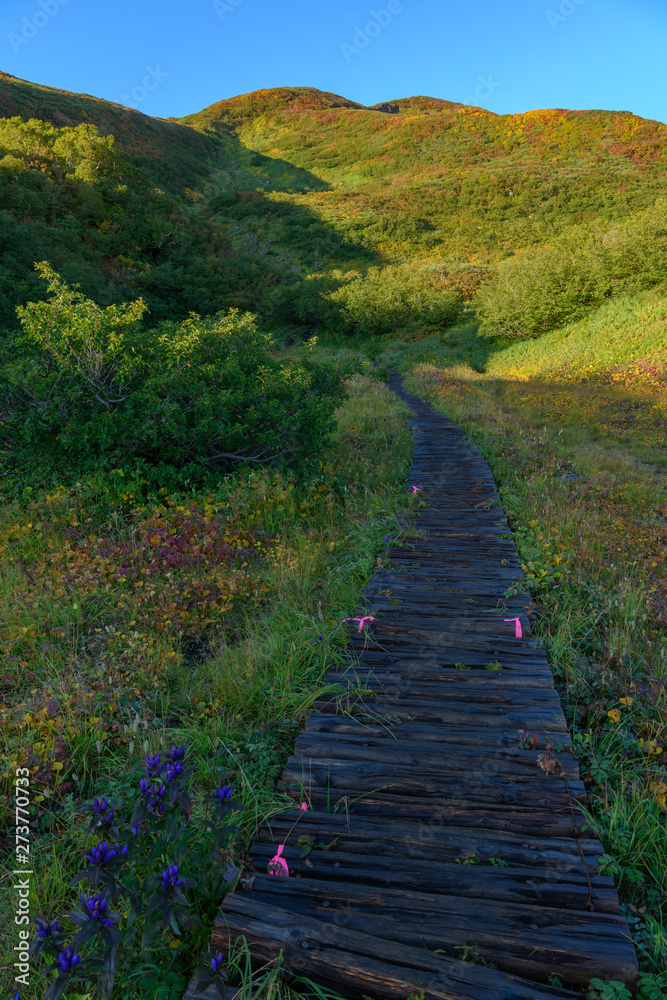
[
  {"x": 193, "y": 501},
  {"x": 242, "y": 203},
  {"x": 622, "y": 342},
  {"x": 204, "y": 618},
  {"x": 574, "y": 426},
  {"x": 541, "y": 290}
]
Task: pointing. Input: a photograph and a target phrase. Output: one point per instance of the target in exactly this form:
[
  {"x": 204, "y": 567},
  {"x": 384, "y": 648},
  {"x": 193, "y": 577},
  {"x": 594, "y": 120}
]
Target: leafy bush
[
  {"x": 545, "y": 289},
  {"x": 70, "y": 194},
  {"x": 393, "y": 297},
  {"x": 378, "y": 302},
  {"x": 92, "y": 389}
]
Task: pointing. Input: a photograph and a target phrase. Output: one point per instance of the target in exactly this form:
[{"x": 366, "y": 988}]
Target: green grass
[{"x": 624, "y": 339}]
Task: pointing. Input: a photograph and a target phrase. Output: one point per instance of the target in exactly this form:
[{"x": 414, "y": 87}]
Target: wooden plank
[
  {"x": 457, "y": 735},
  {"x": 484, "y": 686},
  {"x": 523, "y": 939},
  {"x": 359, "y": 963},
  {"x": 450, "y": 758},
  {"x": 436, "y": 839},
  {"x": 473, "y": 679},
  {"x": 562, "y": 890},
  {"x": 461, "y": 789},
  {"x": 534, "y": 821},
  {"x": 466, "y": 714}
]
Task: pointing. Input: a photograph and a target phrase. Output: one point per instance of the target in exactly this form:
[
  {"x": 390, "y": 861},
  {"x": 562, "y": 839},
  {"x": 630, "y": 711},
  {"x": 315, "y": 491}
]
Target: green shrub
[
  {"x": 551, "y": 286},
  {"x": 394, "y": 297},
  {"x": 92, "y": 389}
]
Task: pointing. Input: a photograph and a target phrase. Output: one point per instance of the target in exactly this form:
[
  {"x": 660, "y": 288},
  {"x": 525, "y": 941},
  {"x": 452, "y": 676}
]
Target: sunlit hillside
[{"x": 442, "y": 181}]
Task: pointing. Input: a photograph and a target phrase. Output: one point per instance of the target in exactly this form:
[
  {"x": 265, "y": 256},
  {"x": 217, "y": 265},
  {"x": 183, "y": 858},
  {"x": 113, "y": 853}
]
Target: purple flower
[
  {"x": 136, "y": 829},
  {"x": 100, "y": 805},
  {"x": 170, "y": 878},
  {"x": 152, "y": 764},
  {"x": 173, "y": 771},
  {"x": 45, "y": 929},
  {"x": 177, "y": 753},
  {"x": 97, "y": 905},
  {"x": 67, "y": 960},
  {"x": 101, "y": 854},
  {"x": 216, "y": 963},
  {"x": 155, "y": 795},
  {"x": 224, "y": 793},
  {"x": 107, "y": 821}
]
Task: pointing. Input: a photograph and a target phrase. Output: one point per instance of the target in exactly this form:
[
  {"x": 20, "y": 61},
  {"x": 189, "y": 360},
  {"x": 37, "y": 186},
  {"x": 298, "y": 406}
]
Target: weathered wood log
[
  {"x": 432, "y": 758},
  {"x": 464, "y": 714},
  {"x": 517, "y": 938},
  {"x": 457, "y": 735},
  {"x": 364, "y": 775},
  {"x": 562, "y": 890},
  {"x": 360, "y": 963},
  {"x": 436, "y": 839}
]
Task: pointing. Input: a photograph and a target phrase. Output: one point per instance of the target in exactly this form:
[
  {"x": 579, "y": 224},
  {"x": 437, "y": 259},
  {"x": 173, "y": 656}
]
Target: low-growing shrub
[
  {"x": 92, "y": 389},
  {"x": 545, "y": 288},
  {"x": 393, "y": 297}
]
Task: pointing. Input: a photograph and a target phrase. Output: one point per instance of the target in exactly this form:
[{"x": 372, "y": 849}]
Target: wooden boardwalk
[{"x": 455, "y": 860}]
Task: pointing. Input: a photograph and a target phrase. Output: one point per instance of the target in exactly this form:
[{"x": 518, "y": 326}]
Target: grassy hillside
[
  {"x": 624, "y": 342},
  {"x": 451, "y": 183},
  {"x": 145, "y": 606},
  {"x": 266, "y": 189}
]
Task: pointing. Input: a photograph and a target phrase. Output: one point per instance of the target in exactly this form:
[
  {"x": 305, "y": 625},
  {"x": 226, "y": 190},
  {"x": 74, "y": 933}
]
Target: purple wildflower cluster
[
  {"x": 67, "y": 960},
  {"x": 97, "y": 905},
  {"x": 106, "y": 815},
  {"x": 155, "y": 795},
  {"x": 46, "y": 929},
  {"x": 170, "y": 878},
  {"x": 102, "y": 854}
]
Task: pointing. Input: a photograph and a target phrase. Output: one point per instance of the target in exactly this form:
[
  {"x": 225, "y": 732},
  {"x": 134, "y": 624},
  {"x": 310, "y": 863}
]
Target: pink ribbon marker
[
  {"x": 518, "y": 634},
  {"x": 368, "y": 618},
  {"x": 277, "y": 860}
]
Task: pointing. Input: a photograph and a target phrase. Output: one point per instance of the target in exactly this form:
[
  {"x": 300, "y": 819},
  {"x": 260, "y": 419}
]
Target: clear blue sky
[{"x": 174, "y": 57}]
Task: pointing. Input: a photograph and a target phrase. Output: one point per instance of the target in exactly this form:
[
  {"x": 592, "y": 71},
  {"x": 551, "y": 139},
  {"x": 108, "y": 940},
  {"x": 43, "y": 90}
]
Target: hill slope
[
  {"x": 261, "y": 190},
  {"x": 444, "y": 181}
]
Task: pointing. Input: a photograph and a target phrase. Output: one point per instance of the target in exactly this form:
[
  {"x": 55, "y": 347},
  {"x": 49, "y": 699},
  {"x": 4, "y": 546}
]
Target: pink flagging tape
[
  {"x": 518, "y": 633},
  {"x": 277, "y": 860},
  {"x": 367, "y": 618}
]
